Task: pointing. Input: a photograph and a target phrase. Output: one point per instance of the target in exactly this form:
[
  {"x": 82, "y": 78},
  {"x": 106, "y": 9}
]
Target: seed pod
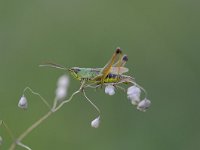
[
  {"x": 110, "y": 90},
  {"x": 144, "y": 105},
  {"x": 133, "y": 93},
  {"x": 96, "y": 122},
  {"x": 23, "y": 103}
]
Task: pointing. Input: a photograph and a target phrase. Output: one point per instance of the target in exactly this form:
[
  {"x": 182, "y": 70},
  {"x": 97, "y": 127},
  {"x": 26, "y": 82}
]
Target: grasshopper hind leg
[{"x": 106, "y": 69}]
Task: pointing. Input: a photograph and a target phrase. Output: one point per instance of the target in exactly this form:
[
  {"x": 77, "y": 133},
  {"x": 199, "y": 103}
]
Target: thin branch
[
  {"x": 24, "y": 146},
  {"x": 26, "y": 132},
  {"x": 91, "y": 102},
  {"x": 120, "y": 87},
  {"x": 35, "y": 93},
  {"x": 64, "y": 102},
  {"x": 54, "y": 103},
  {"x": 7, "y": 128}
]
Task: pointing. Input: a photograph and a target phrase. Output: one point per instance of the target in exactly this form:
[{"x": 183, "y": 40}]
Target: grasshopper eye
[{"x": 75, "y": 70}]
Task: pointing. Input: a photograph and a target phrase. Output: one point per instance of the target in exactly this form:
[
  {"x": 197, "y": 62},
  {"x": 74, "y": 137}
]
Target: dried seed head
[
  {"x": 144, "y": 105},
  {"x": 110, "y": 90},
  {"x": 23, "y": 103},
  {"x": 96, "y": 122}
]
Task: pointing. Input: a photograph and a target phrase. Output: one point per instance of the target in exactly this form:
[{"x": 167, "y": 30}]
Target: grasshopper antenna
[{"x": 53, "y": 65}]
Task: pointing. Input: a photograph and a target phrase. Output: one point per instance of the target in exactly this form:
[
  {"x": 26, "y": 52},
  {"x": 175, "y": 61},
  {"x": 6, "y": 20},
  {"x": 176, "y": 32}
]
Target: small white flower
[
  {"x": 63, "y": 81},
  {"x": 110, "y": 90},
  {"x": 95, "y": 123},
  {"x": 144, "y": 105},
  {"x": 61, "y": 93},
  {"x": 133, "y": 93},
  {"x": 23, "y": 103},
  {"x": 1, "y": 140}
]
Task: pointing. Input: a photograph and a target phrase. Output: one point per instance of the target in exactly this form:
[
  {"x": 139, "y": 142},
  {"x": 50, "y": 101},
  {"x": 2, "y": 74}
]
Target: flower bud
[
  {"x": 144, "y": 105},
  {"x": 23, "y": 103},
  {"x": 95, "y": 123},
  {"x": 110, "y": 90}
]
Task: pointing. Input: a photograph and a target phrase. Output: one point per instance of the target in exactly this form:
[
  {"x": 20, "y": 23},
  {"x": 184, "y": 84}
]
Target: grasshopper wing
[{"x": 119, "y": 70}]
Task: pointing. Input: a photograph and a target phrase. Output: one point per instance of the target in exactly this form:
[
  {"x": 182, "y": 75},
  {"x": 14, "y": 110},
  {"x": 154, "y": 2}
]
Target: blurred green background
[{"x": 161, "y": 39}]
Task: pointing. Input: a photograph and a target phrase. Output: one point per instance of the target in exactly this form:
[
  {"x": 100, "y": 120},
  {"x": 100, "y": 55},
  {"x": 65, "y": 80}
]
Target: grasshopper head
[{"x": 74, "y": 72}]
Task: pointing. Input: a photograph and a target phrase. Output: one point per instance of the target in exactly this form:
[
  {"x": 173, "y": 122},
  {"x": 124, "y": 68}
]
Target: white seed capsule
[
  {"x": 61, "y": 93},
  {"x": 133, "y": 93},
  {"x": 96, "y": 122},
  {"x": 110, "y": 90},
  {"x": 144, "y": 105},
  {"x": 63, "y": 81},
  {"x": 23, "y": 103},
  {"x": 62, "y": 87},
  {"x": 134, "y": 98},
  {"x": 133, "y": 90}
]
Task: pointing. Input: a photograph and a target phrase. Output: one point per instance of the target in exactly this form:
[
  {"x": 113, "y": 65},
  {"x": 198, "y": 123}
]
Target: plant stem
[
  {"x": 7, "y": 128},
  {"x": 33, "y": 126},
  {"x": 38, "y": 122}
]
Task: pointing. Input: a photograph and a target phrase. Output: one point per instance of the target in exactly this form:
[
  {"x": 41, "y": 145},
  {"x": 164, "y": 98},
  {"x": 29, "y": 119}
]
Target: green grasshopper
[{"x": 111, "y": 73}]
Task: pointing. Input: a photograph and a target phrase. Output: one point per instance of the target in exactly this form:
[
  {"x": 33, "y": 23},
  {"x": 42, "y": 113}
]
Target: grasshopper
[{"x": 111, "y": 73}]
